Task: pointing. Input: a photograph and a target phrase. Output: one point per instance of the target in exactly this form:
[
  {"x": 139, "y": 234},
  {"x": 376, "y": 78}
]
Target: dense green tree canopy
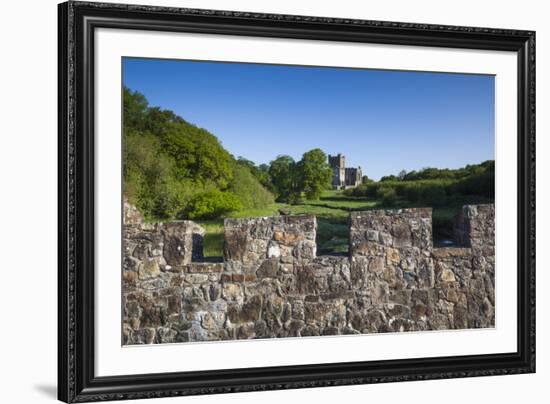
[
  {"x": 261, "y": 172},
  {"x": 310, "y": 176},
  {"x": 282, "y": 172},
  {"x": 315, "y": 175},
  {"x": 170, "y": 164}
]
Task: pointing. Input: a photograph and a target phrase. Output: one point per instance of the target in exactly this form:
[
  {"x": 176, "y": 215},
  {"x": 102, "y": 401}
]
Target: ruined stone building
[{"x": 344, "y": 177}]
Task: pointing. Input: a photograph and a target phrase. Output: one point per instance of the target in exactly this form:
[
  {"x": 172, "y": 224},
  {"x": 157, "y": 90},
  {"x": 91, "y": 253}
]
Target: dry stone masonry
[{"x": 272, "y": 284}]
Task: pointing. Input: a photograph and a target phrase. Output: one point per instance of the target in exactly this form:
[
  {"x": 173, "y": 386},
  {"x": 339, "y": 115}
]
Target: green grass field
[{"x": 332, "y": 211}]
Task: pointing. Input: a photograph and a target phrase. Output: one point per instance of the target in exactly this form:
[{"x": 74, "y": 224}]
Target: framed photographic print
[{"x": 257, "y": 201}]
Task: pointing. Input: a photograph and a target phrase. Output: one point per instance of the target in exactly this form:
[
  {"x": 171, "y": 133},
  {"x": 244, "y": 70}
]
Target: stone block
[
  {"x": 182, "y": 242},
  {"x": 149, "y": 269},
  {"x": 235, "y": 244},
  {"x": 268, "y": 268}
]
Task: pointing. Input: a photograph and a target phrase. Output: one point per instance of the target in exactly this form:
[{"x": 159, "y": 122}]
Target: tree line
[
  {"x": 176, "y": 170},
  {"x": 432, "y": 186},
  {"x": 291, "y": 180}
]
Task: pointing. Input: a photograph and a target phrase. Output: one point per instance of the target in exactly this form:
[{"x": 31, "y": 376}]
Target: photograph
[
  {"x": 297, "y": 201},
  {"x": 291, "y": 199}
]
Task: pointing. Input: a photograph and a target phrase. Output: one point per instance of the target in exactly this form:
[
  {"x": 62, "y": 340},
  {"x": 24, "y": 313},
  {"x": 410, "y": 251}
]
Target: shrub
[
  {"x": 211, "y": 205},
  {"x": 434, "y": 195},
  {"x": 479, "y": 184},
  {"x": 412, "y": 191},
  {"x": 387, "y": 195},
  {"x": 359, "y": 190}
]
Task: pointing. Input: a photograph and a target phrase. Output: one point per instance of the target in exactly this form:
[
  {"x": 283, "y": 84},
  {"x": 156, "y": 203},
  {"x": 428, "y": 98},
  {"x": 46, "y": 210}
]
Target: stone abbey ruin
[
  {"x": 344, "y": 177},
  {"x": 271, "y": 282}
]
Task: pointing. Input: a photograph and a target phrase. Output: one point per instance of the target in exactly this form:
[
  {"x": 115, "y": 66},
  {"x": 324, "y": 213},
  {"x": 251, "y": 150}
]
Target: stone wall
[{"x": 271, "y": 282}]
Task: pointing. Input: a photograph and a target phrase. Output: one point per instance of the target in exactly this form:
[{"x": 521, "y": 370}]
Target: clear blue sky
[{"x": 383, "y": 121}]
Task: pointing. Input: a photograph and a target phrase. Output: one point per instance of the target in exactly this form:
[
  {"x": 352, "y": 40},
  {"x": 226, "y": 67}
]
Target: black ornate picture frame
[{"x": 78, "y": 21}]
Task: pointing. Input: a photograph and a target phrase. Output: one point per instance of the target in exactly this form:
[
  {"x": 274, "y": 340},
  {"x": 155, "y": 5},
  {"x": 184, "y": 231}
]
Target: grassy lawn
[
  {"x": 213, "y": 239},
  {"x": 332, "y": 211},
  {"x": 271, "y": 210}
]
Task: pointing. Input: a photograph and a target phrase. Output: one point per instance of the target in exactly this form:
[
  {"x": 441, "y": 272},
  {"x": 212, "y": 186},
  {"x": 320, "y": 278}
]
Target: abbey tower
[{"x": 344, "y": 177}]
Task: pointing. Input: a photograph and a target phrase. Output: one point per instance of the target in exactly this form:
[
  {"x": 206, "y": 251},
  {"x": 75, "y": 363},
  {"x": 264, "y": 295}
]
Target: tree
[
  {"x": 315, "y": 175},
  {"x": 174, "y": 169},
  {"x": 243, "y": 161},
  {"x": 366, "y": 180},
  {"x": 282, "y": 172},
  {"x": 135, "y": 109},
  {"x": 198, "y": 154},
  {"x": 261, "y": 172},
  {"x": 402, "y": 174},
  {"x": 387, "y": 178}
]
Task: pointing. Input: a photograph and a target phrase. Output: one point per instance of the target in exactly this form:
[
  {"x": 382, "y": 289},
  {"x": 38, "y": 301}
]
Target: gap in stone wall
[
  {"x": 332, "y": 238},
  {"x": 452, "y": 236}
]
